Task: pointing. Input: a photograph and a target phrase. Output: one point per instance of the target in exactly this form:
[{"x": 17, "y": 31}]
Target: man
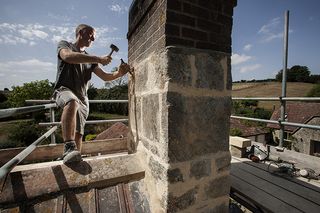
[{"x": 74, "y": 70}]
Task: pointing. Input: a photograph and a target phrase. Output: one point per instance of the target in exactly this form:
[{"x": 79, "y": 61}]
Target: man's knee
[{"x": 72, "y": 105}]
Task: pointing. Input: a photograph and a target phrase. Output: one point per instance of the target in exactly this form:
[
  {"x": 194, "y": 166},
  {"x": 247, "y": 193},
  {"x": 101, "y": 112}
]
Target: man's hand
[
  {"x": 104, "y": 60},
  {"x": 123, "y": 69}
]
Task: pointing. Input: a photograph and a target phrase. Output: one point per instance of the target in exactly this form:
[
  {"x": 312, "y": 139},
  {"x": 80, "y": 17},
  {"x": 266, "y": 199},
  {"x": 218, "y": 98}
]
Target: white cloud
[
  {"x": 26, "y": 66},
  {"x": 238, "y": 59},
  {"x": 32, "y": 34},
  {"x": 118, "y": 8},
  {"x": 15, "y": 34},
  {"x": 272, "y": 30},
  {"x": 249, "y": 68},
  {"x": 19, "y": 72},
  {"x": 270, "y": 26},
  {"x": 247, "y": 47}
]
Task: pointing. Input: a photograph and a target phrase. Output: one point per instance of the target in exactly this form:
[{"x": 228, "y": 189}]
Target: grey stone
[
  {"x": 157, "y": 170},
  {"x": 200, "y": 168},
  {"x": 175, "y": 175},
  {"x": 150, "y": 116},
  {"x": 179, "y": 68},
  {"x": 219, "y": 209},
  {"x": 186, "y": 200},
  {"x": 210, "y": 72},
  {"x": 139, "y": 199},
  {"x": 229, "y": 75},
  {"x": 141, "y": 76},
  {"x": 223, "y": 163},
  {"x": 214, "y": 188},
  {"x": 197, "y": 126}
]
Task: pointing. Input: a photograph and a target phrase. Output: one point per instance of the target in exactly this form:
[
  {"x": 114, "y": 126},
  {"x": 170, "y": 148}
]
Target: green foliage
[
  {"x": 249, "y": 108},
  {"x": 92, "y": 92},
  {"x": 90, "y": 137},
  {"x": 315, "y": 79},
  {"x": 235, "y": 132},
  {"x": 296, "y": 73},
  {"x": 34, "y": 90},
  {"x": 4, "y": 99},
  {"x": 26, "y": 132},
  {"x": 315, "y": 91},
  {"x": 114, "y": 93}
]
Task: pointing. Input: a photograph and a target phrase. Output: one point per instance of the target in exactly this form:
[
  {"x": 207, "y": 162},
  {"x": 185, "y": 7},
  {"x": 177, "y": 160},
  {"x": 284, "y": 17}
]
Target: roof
[
  {"x": 297, "y": 112},
  {"x": 245, "y": 129},
  {"x": 117, "y": 130}
]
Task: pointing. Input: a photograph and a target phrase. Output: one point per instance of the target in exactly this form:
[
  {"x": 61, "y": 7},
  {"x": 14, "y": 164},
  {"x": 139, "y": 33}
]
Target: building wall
[
  {"x": 258, "y": 138},
  {"x": 303, "y": 137},
  {"x": 180, "y": 102}
]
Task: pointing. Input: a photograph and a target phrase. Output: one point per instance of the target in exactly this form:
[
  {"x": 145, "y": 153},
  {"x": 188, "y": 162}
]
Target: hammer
[{"x": 113, "y": 48}]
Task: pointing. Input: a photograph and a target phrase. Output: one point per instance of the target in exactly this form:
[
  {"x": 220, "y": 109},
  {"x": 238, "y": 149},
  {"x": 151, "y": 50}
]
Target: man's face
[{"x": 87, "y": 37}]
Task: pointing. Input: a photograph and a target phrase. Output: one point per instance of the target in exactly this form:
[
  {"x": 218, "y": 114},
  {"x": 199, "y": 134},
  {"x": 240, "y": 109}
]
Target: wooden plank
[
  {"x": 305, "y": 183},
  {"x": 260, "y": 197},
  {"x": 107, "y": 200},
  {"x": 52, "y": 152},
  {"x": 306, "y": 192},
  {"x": 281, "y": 193},
  {"x": 101, "y": 171},
  {"x": 54, "y": 204},
  {"x": 80, "y": 201}
]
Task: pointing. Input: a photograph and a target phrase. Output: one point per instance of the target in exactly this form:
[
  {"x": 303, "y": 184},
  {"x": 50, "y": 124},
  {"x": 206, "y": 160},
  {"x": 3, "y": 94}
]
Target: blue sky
[{"x": 30, "y": 30}]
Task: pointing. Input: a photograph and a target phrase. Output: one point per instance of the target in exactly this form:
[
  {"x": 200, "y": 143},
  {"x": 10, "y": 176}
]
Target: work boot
[{"x": 70, "y": 153}]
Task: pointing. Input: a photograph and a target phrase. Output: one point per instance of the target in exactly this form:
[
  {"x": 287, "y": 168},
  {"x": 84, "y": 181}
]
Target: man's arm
[
  {"x": 122, "y": 70},
  {"x": 77, "y": 58}
]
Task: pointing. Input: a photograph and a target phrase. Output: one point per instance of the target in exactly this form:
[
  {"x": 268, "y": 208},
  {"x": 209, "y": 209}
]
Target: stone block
[
  {"x": 214, "y": 188},
  {"x": 178, "y": 203},
  {"x": 175, "y": 175},
  {"x": 197, "y": 126},
  {"x": 180, "y": 68},
  {"x": 200, "y": 168},
  {"x": 223, "y": 163},
  {"x": 158, "y": 171},
  {"x": 238, "y": 152},
  {"x": 240, "y": 142},
  {"x": 139, "y": 199},
  {"x": 150, "y": 117},
  {"x": 210, "y": 71}
]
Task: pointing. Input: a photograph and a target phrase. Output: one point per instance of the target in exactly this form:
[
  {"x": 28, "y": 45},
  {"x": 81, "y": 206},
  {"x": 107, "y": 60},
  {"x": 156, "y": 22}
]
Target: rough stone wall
[
  {"x": 180, "y": 101},
  {"x": 304, "y": 136}
]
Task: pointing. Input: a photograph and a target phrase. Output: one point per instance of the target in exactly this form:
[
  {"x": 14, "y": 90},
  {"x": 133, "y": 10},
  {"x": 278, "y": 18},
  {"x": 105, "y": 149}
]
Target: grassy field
[{"x": 270, "y": 89}]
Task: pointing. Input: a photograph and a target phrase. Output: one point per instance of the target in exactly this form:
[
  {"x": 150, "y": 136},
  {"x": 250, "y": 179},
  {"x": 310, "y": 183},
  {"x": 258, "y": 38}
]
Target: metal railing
[
  {"x": 46, "y": 104},
  {"x": 52, "y": 114},
  {"x": 283, "y": 99}
]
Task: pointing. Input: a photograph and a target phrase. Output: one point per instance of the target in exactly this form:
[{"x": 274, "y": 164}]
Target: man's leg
[
  {"x": 68, "y": 121},
  {"x": 78, "y": 140},
  {"x": 68, "y": 125}
]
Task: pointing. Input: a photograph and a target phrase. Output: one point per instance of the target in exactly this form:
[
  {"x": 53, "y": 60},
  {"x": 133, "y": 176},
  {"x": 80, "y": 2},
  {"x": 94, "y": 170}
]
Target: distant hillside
[{"x": 270, "y": 89}]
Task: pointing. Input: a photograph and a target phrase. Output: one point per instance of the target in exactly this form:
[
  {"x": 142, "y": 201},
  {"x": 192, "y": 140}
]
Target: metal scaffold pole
[{"x": 284, "y": 79}]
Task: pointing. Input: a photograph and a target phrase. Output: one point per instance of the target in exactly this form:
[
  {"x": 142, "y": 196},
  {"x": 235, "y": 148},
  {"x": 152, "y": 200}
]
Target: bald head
[{"x": 83, "y": 27}]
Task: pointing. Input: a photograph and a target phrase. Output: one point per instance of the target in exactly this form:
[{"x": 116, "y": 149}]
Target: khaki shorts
[{"x": 63, "y": 96}]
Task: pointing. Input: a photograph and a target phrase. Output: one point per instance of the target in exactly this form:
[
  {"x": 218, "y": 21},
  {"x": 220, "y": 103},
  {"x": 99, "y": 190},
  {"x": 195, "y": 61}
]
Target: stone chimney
[{"x": 180, "y": 102}]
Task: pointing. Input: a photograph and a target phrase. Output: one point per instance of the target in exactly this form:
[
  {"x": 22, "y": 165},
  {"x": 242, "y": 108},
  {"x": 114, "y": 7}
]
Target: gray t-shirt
[{"x": 75, "y": 77}]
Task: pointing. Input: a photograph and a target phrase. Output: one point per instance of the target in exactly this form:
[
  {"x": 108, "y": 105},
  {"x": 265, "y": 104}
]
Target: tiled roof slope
[
  {"x": 299, "y": 112},
  {"x": 117, "y": 130},
  {"x": 245, "y": 129}
]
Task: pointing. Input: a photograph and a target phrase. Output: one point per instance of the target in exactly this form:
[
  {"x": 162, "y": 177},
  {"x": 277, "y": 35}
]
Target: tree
[
  {"x": 34, "y": 90},
  {"x": 296, "y": 73},
  {"x": 92, "y": 92},
  {"x": 299, "y": 73},
  {"x": 114, "y": 93}
]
